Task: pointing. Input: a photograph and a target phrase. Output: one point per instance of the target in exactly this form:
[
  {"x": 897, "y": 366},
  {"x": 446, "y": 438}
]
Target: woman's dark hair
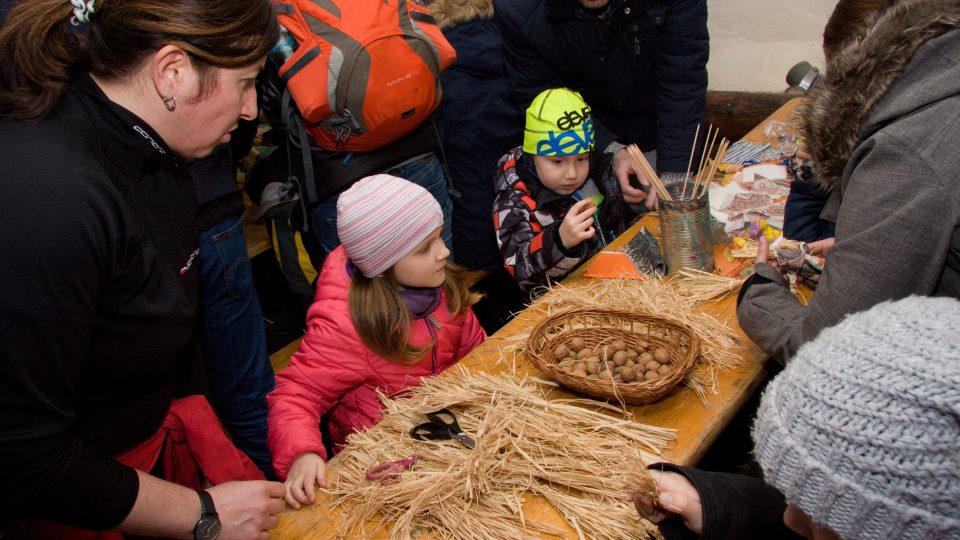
[
  {"x": 849, "y": 20},
  {"x": 43, "y": 52}
]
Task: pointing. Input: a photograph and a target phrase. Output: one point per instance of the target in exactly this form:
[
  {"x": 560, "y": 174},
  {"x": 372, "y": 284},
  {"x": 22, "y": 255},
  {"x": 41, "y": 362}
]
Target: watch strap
[
  {"x": 208, "y": 526},
  {"x": 206, "y": 504}
]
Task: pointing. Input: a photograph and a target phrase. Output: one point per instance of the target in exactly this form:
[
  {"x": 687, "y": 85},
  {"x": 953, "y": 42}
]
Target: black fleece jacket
[{"x": 98, "y": 307}]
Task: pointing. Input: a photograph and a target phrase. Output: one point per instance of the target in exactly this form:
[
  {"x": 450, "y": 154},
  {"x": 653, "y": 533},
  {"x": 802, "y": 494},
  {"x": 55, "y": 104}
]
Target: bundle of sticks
[{"x": 705, "y": 172}]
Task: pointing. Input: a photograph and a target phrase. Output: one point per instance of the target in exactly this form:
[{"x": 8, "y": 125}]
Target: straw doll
[
  {"x": 389, "y": 310},
  {"x": 550, "y": 213}
]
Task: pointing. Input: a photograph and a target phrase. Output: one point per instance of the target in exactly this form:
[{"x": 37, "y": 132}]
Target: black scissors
[{"x": 442, "y": 425}]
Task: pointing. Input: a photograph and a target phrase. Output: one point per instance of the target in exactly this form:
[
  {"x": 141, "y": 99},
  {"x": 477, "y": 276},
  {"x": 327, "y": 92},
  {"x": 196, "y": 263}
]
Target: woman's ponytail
[
  {"x": 43, "y": 51},
  {"x": 42, "y": 54}
]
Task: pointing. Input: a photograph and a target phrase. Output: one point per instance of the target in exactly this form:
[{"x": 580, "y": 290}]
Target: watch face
[{"x": 208, "y": 528}]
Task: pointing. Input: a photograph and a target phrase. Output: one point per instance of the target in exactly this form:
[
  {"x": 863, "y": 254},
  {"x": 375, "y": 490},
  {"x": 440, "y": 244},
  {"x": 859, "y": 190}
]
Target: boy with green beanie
[{"x": 549, "y": 212}]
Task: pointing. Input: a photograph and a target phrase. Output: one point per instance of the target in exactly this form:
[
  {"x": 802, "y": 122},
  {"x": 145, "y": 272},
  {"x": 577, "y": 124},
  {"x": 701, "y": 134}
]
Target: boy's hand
[
  {"x": 677, "y": 497},
  {"x": 577, "y": 225},
  {"x": 306, "y": 471}
]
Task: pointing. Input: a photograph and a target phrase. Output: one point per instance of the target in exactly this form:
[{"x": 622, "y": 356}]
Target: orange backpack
[{"x": 365, "y": 72}]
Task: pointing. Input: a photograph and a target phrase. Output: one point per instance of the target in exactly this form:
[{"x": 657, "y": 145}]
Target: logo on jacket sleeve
[{"x": 187, "y": 266}]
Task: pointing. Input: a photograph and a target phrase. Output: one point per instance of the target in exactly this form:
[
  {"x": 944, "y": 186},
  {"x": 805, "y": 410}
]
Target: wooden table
[{"x": 697, "y": 424}]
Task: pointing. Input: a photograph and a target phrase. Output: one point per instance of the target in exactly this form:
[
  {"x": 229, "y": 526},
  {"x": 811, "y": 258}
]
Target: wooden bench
[{"x": 255, "y": 235}]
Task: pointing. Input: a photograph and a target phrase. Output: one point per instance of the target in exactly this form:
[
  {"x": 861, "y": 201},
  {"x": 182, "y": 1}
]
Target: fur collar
[
  {"x": 451, "y": 12},
  {"x": 861, "y": 73}
]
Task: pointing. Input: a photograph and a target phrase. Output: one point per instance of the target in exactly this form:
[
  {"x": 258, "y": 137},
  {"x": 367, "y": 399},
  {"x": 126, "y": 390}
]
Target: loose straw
[
  {"x": 648, "y": 171},
  {"x": 699, "y": 286}
]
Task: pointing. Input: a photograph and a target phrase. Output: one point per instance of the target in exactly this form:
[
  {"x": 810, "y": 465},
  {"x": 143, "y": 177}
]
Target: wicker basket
[{"x": 598, "y": 327}]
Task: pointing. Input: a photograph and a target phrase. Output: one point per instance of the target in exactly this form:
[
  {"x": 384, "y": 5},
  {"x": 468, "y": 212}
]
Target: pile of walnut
[{"x": 616, "y": 360}]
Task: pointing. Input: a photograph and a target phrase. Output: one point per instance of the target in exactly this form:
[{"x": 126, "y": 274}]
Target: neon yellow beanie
[{"x": 558, "y": 124}]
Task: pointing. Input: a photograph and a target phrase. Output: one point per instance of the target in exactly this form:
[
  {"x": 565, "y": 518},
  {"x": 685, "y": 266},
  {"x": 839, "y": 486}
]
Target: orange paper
[
  {"x": 726, "y": 264},
  {"x": 613, "y": 264}
]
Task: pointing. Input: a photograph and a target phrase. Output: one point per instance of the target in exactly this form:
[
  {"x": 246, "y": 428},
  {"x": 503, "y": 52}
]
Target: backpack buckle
[{"x": 344, "y": 131}]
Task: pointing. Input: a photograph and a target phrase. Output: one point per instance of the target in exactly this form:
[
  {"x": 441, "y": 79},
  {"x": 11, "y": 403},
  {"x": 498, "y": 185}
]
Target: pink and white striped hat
[{"x": 381, "y": 218}]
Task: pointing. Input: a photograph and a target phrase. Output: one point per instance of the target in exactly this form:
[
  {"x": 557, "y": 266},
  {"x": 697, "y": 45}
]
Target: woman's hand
[
  {"x": 821, "y": 247},
  {"x": 623, "y": 167},
  {"x": 677, "y": 497},
  {"x": 763, "y": 253},
  {"x": 577, "y": 225},
  {"x": 247, "y": 509},
  {"x": 307, "y": 471}
]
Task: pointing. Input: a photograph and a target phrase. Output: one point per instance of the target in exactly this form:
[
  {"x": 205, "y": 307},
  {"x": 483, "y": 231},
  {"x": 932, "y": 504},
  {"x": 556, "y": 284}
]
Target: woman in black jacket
[{"x": 98, "y": 315}]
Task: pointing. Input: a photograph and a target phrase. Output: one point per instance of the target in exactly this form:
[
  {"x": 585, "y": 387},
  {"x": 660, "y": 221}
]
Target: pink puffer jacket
[{"x": 333, "y": 371}]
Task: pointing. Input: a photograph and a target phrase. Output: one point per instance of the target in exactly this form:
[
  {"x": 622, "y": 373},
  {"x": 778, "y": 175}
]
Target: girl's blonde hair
[{"x": 381, "y": 316}]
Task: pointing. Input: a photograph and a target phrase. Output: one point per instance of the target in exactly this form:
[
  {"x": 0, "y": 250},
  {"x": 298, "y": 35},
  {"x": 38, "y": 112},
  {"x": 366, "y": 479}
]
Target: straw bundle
[
  {"x": 579, "y": 459},
  {"x": 700, "y": 287}
]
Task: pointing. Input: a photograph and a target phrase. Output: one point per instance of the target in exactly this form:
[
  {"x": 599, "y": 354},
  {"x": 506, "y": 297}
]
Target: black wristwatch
[{"x": 208, "y": 528}]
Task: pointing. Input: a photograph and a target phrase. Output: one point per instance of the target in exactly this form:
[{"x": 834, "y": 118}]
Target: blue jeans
[
  {"x": 234, "y": 340},
  {"x": 426, "y": 172}
]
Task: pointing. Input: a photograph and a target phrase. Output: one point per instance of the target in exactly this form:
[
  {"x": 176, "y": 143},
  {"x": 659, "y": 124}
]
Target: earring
[{"x": 170, "y": 103}]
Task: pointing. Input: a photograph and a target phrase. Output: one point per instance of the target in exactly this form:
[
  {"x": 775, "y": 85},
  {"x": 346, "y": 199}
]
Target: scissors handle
[
  {"x": 430, "y": 431},
  {"x": 442, "y": 425},
  {"x": 388, "y": 472}
]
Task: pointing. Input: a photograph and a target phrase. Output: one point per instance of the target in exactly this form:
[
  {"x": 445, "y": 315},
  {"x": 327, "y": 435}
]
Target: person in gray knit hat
[{"x": 859, "y": 436}]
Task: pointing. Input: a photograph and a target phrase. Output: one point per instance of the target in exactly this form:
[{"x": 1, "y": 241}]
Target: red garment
[
  {"x": 333, "y": 371},
  {"x": 192, "y": 446}
]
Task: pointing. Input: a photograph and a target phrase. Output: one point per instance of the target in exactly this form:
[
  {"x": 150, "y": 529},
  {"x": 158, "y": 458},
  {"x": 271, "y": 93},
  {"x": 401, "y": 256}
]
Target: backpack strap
[{"x": 297, "y": 136}]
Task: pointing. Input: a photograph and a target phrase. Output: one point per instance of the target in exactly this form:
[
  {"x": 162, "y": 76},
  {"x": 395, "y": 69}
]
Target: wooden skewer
[
  {"x": 704, "y": 176},
  {"x": 648, "y": 171},
  {"x": 721, "y": 153},
  {"x": 705, "y": 159},
  {"x": 693, "y": 150},
  {"x": 706, "y": 150}
]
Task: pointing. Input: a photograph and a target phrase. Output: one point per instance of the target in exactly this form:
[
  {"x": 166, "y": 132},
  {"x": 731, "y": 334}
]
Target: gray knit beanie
[{"x": 861, "y": 431}]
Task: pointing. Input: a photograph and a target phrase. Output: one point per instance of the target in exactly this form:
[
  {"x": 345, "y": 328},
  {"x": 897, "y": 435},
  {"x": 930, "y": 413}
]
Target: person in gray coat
[
  {"x": 857, "y": 439},
  {"x": 883, "y": 128}
]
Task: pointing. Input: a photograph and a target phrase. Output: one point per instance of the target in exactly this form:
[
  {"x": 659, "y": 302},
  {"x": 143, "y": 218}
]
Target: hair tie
[{"x": 81, "y": 12}]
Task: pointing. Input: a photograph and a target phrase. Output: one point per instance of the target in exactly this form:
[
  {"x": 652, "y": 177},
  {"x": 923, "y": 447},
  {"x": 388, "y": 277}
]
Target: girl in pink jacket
[{"x": 389, "y": 310}]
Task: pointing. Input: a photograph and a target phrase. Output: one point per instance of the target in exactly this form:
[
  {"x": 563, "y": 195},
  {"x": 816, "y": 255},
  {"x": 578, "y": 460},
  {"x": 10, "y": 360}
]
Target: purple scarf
[{"x": 421, "y": 301}]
